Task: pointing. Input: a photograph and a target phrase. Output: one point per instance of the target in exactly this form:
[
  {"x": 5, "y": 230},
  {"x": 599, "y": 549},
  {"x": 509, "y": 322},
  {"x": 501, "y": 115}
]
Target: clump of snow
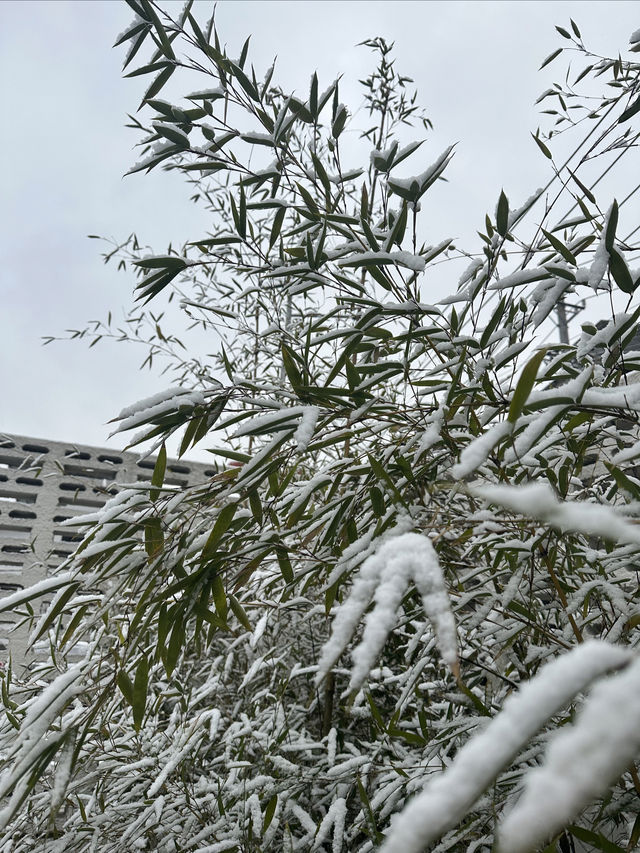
[
  {"x": 520, "y": 277},
  {"x": 477, "y": 451},
  {"x": 384, "y": 577},
  {"x": 581, "y": 763},
  {"x": 156, "y": 406},
  {"x": 448, "y": 798},
  {"x": 401, "y": 258},
  {"x": 304, "y": 433},
  {"x": 538, "y": 500},
  {"x": 601, "y": 258},
  {"x": 431, "y": 435},
  {"x": 424, "y": 180}
]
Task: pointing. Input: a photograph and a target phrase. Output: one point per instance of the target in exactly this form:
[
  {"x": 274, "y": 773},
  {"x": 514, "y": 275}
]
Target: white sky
[{"x": 64, "y": 148}]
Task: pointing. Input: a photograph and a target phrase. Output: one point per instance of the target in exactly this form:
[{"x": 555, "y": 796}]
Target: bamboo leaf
[
  {"x": 502, "y": 215},
  {"x": 541, "y": 144},
  {"x": 222, "y": 522},
  {"x": 139, "y": 693},
  {"x": 550, "y": 58},
  {"x": 612, "y": 224},
  {"x": 525, "y": 385},
  {"x": 159, "y": 469}
]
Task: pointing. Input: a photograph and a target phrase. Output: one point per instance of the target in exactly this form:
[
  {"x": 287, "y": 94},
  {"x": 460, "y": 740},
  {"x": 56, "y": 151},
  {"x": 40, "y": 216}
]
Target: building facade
[{"x": 42, "y": 484}]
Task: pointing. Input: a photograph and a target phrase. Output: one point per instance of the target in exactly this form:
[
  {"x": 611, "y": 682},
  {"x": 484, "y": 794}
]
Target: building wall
[{"x": 43, "y": 483}]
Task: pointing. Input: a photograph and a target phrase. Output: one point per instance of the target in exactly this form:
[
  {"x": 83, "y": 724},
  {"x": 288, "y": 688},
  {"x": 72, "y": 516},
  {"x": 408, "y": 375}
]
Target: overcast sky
[{"x": 64, "y": 149}]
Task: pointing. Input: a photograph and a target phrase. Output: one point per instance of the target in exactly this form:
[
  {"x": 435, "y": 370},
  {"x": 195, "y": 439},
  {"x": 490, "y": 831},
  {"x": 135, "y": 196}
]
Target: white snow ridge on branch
[
  {"x": 582, "y": 762},
  {"x": 385, "y": 576},
  {"x": 450, "y": 795},
  {"x": 538, "y": 500}
]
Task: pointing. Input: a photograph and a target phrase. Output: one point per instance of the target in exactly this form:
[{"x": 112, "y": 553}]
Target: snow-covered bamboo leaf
[
  {"x": 525, "y": 385},
  {"x": 581, "y": 763},
  {"x": 446, "y": 799}
]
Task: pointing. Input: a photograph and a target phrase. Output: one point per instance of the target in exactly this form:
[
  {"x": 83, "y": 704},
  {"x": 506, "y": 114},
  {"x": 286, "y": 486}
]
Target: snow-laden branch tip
[
  {"x": 581, "y": 763},
  {"x": 477, "y": 451},
  {"x": 449, "y": 797},
  {"x": 384, "y": 577},
  {"x": 538, "y": 500}
]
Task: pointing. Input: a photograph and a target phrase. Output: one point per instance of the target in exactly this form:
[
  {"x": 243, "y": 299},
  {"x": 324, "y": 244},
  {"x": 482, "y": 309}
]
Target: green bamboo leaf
[
  {"x": 502, "y": 215},
  {"x": 541, "y": 144},
  {"x": 584, "y": 188},
  {"x": 162, "y": 34},
  {"x": 595, "y": 839},
  {"x": 222, "y": 522},
  {"x": 383, "y": 476},
  {"x": 322, "y": 174},
  {"x": 176, "y": 642},
  {"x": 630, "y": 111},
  {"x": 58, "y": 605},
  {"x": 243, "y": 53},
  {"x": 550, "y": 58},
  {"x": 153, "y": 537},
  {"x": 219, "y": 598},
  {"x": 377, "y": 501},
  {"x": 480, "y": 707},
  {"x": 364, "y": 203},
  {"x": 230, "y": 454},
  {"x": 173, "y": 134},
  {"x": 309, "y": 201},
  {"x": 612, "y": 224},
  {"x": 150, "y": 68},
  {"x": 126, "y": 686},
  {"x": 375, "y": 713},
  {"x": 158, "y": 83},
  {"x": 139, "y": 694},
  {"x": 339, "y": 121},
  {"x": 368, "y": 811},
  {"x": 285, "y": 563},
  {"x": 492, "y": 325},
  {"x": 300, "y": 110},
  {"x": 238, "y": 611},
  {"x": 313, "y": 96},
  {"x": 290, "y": 367},
  {"x": 278, "y": 219},
  {"x": 242, "y": 213},
  {"x": 256, "y": 506},
  {"x": 159, "y": 469},
  {"x": 270, "y": 810},
  {"x": 129, "y": 34},
  {"x": 525, "y": 385},
  {"x": 620, "y": 272},
  {"x": 399, "y": 227},
  {"x": 560, "y": 247},
  {"x": 189, "y": 434},
  {"x": 244, "y": 81}
]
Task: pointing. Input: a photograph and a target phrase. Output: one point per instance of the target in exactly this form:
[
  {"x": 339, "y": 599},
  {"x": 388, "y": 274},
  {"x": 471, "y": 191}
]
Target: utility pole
[
  {"x": 562, "y": 309},
  {"x": 563, "y": 326}
]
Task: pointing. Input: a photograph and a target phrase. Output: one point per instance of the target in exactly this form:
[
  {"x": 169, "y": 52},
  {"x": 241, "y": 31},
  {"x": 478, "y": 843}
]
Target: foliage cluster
[{"x": 377, "y": 455}]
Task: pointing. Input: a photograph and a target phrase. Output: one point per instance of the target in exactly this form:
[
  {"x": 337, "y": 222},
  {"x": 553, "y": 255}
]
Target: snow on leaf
[
  {"x": 306, "y": 427},
  {"x": 385, "y": 577},
  {"x": 475, "y": 453},
  {"x": 600, "y": 262},
  {"x": 519, "y": 277},
  {"x": 538, "y": 500},
  {"x": 451, "y": 794},
  {"x": 403, "y": 259},
  {"x": 581, "y": 763}
]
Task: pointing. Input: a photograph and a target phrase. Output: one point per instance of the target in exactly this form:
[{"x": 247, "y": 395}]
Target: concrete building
[{"x": 43, "y": 483}]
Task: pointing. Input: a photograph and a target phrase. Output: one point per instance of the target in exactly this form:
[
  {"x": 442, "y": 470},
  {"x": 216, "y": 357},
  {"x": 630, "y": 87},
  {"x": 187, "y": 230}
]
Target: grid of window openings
[{"x": 42, "y": 484}]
